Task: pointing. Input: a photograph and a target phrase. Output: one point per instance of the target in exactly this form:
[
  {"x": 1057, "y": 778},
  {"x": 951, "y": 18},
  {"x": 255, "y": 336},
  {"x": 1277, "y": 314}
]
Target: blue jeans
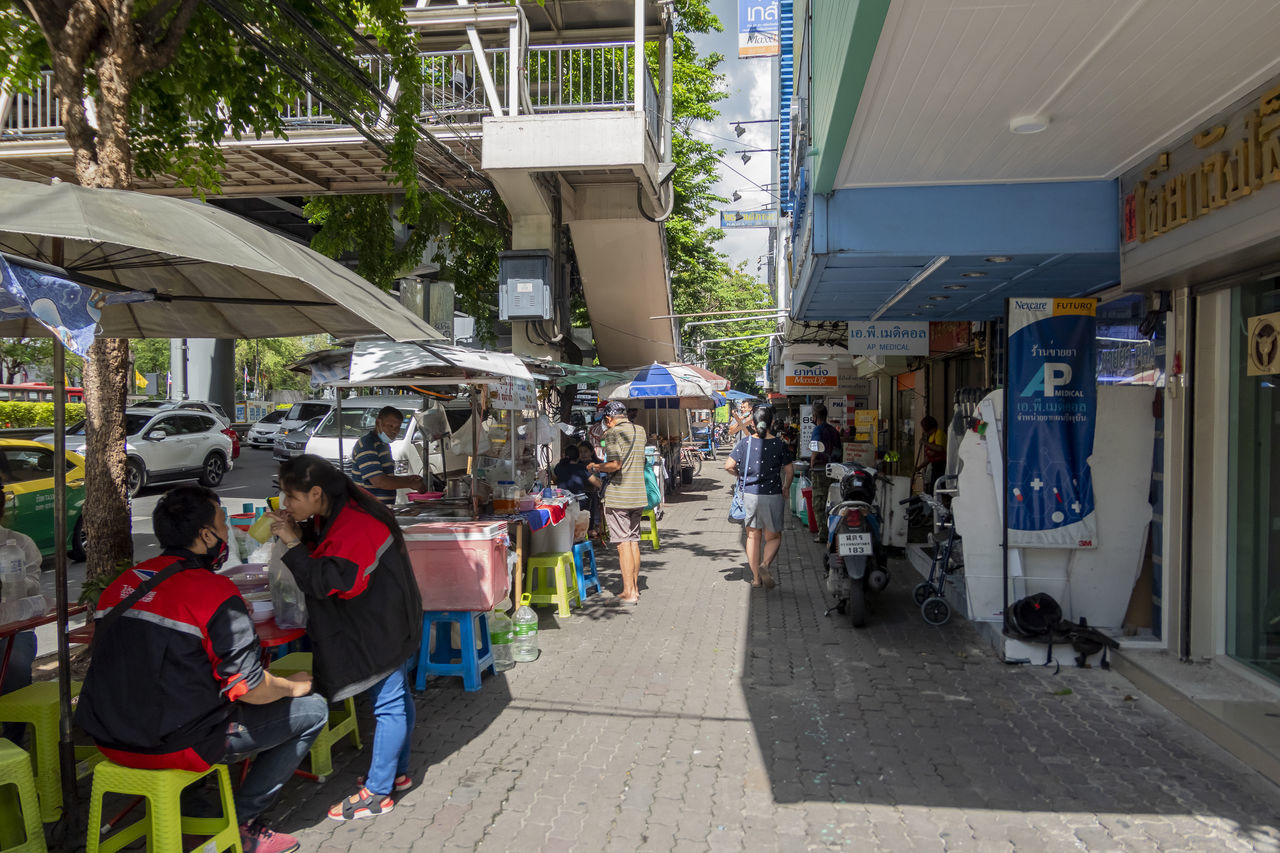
[
  {"x": 277, "y": 735},
  {"x": 18, "y": 676},
  {"x": 394, "y": 713}
]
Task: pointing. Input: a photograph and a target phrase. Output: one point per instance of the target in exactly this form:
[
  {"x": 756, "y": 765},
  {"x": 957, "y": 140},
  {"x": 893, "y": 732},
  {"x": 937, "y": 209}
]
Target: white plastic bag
[{"x": 287, "y": 601}]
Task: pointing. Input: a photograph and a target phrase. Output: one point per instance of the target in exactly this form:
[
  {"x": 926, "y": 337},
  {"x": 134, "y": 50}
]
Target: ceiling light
[
  {"x": 737, "y": 196},
  {"x": 973, "y": 275},
  {"x": 739, "y": 130},
  {"x": 938, "y": 297},
  {"x": 928, "y": 307},
  {"x": 954, "y": 286},
  {"x": 1028, "y": 124},
  {"x": 999, "y": 259},
  {"x": 746, "y": 158},
  {"x": 914, "y": 314}
]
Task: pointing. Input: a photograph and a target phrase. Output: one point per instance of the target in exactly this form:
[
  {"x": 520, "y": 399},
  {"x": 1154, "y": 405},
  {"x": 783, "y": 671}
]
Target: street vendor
[
  {"x": 177, "y": 679},
  {"x": 372, "y": 465},
  {"x": 364, "y": 612}
]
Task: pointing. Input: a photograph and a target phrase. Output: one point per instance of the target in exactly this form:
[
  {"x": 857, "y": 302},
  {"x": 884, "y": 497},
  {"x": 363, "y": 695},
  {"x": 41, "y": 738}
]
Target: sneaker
[
  {"x": 256, "y": 837},
  {"x": 402, "y": 783},
  {"x": 363, "y": 803}
]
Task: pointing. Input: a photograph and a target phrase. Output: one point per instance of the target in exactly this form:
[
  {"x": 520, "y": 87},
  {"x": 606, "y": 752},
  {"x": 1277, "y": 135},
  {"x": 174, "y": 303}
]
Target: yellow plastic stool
[
  {"x": 163, "y": 825},
  {"x": 342, "y": 722},
  {"x": 652, "y": 536},
  {"x": 37, "y": 706},
  {"x": 20, "y": 827},
  {"x": 553, "y": 579}
]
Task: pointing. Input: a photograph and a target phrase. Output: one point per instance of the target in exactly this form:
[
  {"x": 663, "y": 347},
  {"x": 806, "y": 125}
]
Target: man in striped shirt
[
  {"x": 626, "y": 496},
  {"x": 371, "y": 462}
]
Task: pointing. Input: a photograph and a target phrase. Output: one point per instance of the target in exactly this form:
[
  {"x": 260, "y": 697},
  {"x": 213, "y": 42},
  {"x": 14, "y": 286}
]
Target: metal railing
[{"x": 558, "y": 78}]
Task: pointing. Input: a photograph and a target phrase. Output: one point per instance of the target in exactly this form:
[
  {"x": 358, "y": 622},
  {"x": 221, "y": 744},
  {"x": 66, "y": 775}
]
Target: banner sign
[
  {"x": 758, "y": 28},
  {"x": 1052, "y": 412},
  {"x": 513, "y": 394},
  {"x": 809, "y": 377},
  {"x": 807, "y": 424},
  {"x": 748, "y": 219},
  {"x": 874, "y": 339},
  {"x": 836, "y": 407}
]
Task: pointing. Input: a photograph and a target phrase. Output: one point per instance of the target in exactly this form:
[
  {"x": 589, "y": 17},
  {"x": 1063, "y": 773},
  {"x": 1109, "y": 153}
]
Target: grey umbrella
[{"x": 171, "y": 269}]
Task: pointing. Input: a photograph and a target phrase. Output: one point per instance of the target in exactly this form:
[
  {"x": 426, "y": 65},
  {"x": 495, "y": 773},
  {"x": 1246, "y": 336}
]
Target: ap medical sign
[
  {"x": 758, "y": 32},
  {"x": 1053, "y": 402}
]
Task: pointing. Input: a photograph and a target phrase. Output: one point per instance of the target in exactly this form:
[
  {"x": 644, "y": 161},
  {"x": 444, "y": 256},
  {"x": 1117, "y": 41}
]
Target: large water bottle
[
  {"x": 501, "y": 636},
  {"x": 525, "y": 646},
  {"x": 11, "y": 557}
]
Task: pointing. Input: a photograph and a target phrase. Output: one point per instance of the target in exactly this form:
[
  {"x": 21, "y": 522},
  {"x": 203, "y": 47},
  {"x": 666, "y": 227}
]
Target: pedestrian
[
  {"x": 626, "y": 497},
  {"x": 743, "y": 424},
  {"x": 825, "y": 446},
  {"x": 766, "y": 466},
  {"x": 364, "y": 613},
  {"x": 23, "y": 656},
  {"x": 371, "y": 462},
  {"x": 176, "y": 680},
  {"x": 933, "y": 450}
]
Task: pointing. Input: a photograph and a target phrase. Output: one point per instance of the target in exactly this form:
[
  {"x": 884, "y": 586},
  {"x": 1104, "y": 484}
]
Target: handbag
[{"x": 737, "y": 506}]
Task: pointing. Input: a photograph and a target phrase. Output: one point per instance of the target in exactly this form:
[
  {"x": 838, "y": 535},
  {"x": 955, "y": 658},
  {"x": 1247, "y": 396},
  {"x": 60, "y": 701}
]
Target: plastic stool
[
  {"x": 342, "y": 717},
  {"x": 554, "y": 580},
  {"x": 446, "y": 659},
  {"x": 163, "y": 825},
  {"x": 582, "y": 552},
  {"x": 37, "y": 705},
  {"x": 652, "y": 536},
  {"x": 20, "y": 808}
]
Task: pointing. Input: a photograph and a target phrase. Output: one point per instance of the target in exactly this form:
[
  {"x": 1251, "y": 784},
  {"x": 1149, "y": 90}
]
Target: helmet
[{"x": 858, "y": 485}]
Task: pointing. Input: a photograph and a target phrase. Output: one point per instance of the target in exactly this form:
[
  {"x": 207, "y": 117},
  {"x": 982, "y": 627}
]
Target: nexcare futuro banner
[{"x": 1053, "y": 402}]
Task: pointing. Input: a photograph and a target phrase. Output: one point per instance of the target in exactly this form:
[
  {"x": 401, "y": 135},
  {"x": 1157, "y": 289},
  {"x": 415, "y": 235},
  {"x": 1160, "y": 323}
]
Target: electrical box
[{"x": 524, "y": 285}]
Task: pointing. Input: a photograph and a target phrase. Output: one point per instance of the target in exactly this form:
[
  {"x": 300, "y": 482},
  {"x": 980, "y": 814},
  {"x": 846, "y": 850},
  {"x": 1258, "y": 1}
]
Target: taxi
[{"x": 26, "y": 472}]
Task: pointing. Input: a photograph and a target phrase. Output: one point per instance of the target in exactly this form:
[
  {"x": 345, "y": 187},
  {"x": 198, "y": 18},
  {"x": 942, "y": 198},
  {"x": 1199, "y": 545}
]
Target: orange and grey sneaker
[
  {"x": 256, "y": 837},
  {"x": 363, "y": 803}
]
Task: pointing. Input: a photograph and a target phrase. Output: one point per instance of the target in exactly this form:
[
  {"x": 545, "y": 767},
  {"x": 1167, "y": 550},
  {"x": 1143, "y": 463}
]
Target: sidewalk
[{"x": 717, "y": 717}]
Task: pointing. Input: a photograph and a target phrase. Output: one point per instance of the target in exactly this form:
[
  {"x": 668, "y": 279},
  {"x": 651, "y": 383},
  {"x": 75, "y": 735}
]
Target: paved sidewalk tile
[{"x": 717, "y": 717}]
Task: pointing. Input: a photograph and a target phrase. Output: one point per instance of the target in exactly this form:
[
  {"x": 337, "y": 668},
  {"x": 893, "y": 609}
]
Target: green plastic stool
[
  {"x": 36, "y": 705},
  {"x": 20, "y": 827},
  {"x": 553, "y": 579},
  {"x": 163, "y": 825},
  {"x": 652, "y": 535},
  {"x": 342, "y": 721}
]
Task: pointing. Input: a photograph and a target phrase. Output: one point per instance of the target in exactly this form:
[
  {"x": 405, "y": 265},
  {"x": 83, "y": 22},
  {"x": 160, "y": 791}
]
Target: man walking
[
  {"x": 825, "y": 444},
  {"x": 372, "y": 465},
  {"x": 626, "y": 497}
]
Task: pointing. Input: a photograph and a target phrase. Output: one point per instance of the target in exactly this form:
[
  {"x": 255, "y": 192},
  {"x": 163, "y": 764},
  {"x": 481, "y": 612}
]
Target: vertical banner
[
  {"x": 806, "y": 431},
  {"x": 758, "y": 32},
  {"x": 1052, "y": 412}
]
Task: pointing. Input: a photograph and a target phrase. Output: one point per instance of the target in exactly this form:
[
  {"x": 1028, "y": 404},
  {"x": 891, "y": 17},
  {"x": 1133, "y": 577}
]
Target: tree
[
  {"x": 266, "y": 362},
  {"x": 167, "y": 81},
  {"x": 19, "y": 353}
]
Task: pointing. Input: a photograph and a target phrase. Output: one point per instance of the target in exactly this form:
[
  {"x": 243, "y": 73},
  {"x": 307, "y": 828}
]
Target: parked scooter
[{"x": 857, "y": 562}]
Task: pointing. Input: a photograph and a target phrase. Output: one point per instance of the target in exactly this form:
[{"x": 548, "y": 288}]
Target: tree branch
[
  {"x": 151, "y": 25},
  {"x": 158, "y": 52}
]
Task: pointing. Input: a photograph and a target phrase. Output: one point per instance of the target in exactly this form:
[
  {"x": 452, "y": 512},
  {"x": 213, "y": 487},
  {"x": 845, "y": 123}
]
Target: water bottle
[
  {"x": 524, "y": 648},
  {"x": 11, "y": 557},
  {"x": 501, "y": 636}
]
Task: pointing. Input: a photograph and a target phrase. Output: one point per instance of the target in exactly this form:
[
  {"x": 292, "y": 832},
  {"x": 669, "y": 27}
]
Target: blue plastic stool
[
  {"x": 445, "y": 658},
  {"x": 582, "y": 552}
]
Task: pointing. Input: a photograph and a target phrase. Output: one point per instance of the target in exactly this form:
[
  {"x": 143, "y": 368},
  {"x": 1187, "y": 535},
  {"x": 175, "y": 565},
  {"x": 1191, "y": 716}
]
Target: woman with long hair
[{"x": 364, "y": 619}]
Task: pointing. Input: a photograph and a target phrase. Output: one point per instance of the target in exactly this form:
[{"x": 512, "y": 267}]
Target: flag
[{"x": 138, "y": 379}]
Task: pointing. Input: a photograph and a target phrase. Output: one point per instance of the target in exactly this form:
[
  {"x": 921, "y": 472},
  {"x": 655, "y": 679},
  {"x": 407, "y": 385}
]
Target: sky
[{"x": 750, "y": 84}]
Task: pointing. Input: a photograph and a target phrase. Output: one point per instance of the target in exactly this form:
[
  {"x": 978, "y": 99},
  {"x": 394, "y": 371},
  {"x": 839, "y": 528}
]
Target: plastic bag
[{"x": 287, "y": 600}]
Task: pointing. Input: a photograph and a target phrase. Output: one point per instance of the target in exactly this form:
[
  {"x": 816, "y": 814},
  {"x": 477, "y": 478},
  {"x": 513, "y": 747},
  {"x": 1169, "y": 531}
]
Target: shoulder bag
[{"x": 737, "y": 506}]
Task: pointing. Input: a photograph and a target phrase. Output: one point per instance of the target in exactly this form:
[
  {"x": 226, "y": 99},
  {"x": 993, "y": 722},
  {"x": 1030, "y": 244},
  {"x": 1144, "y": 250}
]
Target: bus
[{"x": 37, "y": 392}]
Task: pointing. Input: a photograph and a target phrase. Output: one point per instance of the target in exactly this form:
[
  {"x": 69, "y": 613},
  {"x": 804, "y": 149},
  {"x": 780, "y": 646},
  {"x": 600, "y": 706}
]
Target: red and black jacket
[
  {"x": 364, "y": 612},
  {"x": 159, "y": 690}
]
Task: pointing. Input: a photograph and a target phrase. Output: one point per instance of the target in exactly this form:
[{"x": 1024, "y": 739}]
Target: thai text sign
[
  {"x": 748, "y": 219},
  {"x": 808, "y": 377},
  {"x": 1052, "y": 412},
  {"x": 758, "y": 33},
  {"x": 511, "y": 393},
  {"x": 872, "y": 339}
]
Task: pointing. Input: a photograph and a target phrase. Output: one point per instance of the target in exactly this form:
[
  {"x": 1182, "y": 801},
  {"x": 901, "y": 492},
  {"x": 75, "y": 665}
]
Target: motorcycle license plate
[{"x": 855, "y": 544}]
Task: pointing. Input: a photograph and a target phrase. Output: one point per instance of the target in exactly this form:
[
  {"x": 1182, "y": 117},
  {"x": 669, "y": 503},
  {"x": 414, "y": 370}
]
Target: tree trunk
[{"x": 106, "y": 513}]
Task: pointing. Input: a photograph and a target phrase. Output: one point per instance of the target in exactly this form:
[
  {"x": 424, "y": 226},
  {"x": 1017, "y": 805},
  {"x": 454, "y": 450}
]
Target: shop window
[{"x": 1253, "y": 565}]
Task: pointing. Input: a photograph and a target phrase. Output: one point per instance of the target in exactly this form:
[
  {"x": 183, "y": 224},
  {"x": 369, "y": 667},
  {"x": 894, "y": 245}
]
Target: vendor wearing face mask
[
  {"x": 177, "y": 679},
  {"x": 371, "y": 462}
]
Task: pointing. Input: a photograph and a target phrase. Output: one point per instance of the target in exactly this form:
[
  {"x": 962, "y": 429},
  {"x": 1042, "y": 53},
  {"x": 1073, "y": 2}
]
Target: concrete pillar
[
  {"x": 536, "y": 231},
  {"x": 209, "y": 374}
]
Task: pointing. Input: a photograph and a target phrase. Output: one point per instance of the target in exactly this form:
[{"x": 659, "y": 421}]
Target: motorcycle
[{"x": 857, "y": 561}]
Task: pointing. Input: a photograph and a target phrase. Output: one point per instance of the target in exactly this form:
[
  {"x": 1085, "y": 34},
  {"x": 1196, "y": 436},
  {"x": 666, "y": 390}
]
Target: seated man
[
  {"x": 572, "y": 476},
  {"x": 371, "y": 462},
  {"x": 177, "y": 680}
]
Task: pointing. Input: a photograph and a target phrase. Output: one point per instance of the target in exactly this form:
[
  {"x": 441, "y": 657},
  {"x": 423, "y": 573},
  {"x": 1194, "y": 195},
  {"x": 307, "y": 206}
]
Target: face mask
[
  {"x": 385, "y": 437},
  {"x": 216, "y": 557}
]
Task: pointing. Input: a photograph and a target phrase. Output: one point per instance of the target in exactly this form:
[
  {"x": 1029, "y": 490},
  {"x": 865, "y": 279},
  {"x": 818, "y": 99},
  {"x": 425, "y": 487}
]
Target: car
[
  {"x": 304, "y": 410},
  {"x": 193, "y": 405},
  {"x": 263, "y": 433},
  {"x": 293, "y": 442},
  {"x": 235, "y": 441},
  {"x": 26, "y": 468}
]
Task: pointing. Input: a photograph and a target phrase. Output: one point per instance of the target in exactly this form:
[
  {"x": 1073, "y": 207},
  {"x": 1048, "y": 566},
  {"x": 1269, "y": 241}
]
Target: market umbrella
[
  {"x": 737, "y": 396},
  {"x": 715, "y": 380},
  {"x": 668, "y": 382},
  {"x": 164, "y": 268}
]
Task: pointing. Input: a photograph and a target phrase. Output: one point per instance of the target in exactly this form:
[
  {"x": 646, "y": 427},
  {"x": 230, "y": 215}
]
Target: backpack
[
  {"x": 1087, "y": 641},
  {"x": 1034, "y": 617}
]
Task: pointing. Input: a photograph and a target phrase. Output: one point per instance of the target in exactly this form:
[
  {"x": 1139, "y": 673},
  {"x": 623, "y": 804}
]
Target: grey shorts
[
  {"x": 765, "y": 512},
  {"x": 623, "y": 524}
]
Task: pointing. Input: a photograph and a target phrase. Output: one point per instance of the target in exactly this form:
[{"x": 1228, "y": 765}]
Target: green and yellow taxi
[{"x": 26, "y": 471}]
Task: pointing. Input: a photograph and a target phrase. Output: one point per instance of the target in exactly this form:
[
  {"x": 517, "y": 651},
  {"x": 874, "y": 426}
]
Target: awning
[{"x": 373, "y": 360}]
